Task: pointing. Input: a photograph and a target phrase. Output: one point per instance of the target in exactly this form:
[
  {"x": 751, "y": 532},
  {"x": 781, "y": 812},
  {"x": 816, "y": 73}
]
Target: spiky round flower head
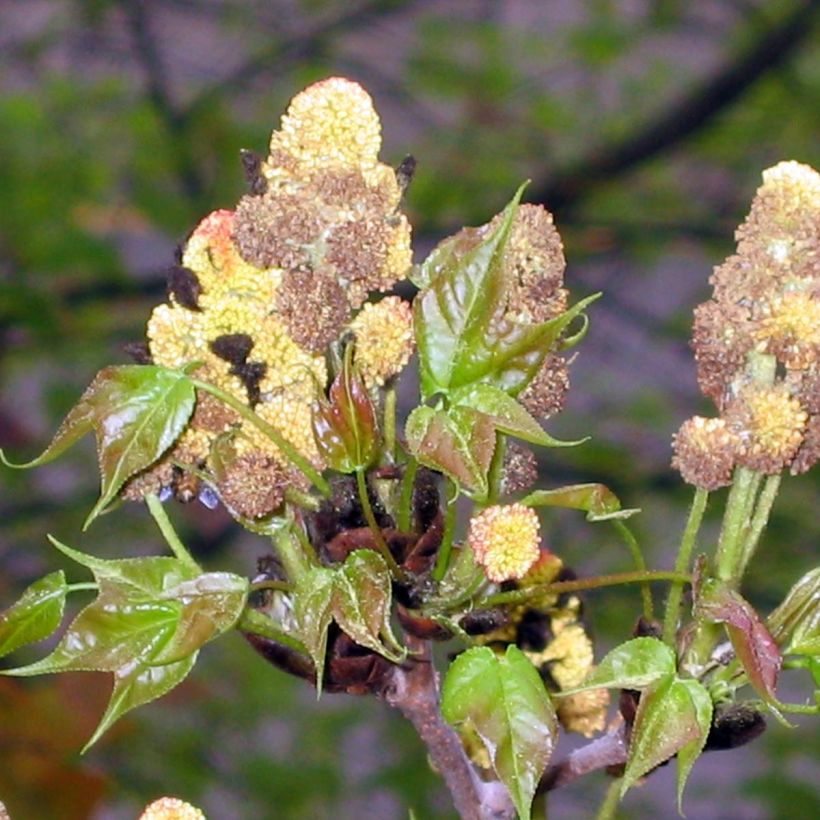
[
  {"x": 520, "y": 469},
  {"x": 253, "y": 485},
  {"x": 789, "y": 327},
  {"x": 384, "y": 339},
  {"x": 721, "y": 340},
  {"x": 544, "y": 396},
  {"x": 505, "y": 540},
  {"x": 770, "y": 424},
  {"x": 784, "y": 222},
  {"x": 705, "y": 452},
  {"x": 535, "y": 256},
  {"x": 171, "y": 808}
]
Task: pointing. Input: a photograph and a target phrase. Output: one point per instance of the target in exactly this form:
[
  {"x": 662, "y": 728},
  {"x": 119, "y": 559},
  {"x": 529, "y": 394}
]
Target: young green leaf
[
  {"x": 597, "y": 500},
  {"x": 795, "y": 624},
  {"x": 506, "y": 413},
  {"x": 136, "y": 411},
  {"x": 688, "y": 754},
  {"x": 672, "y": 716},
  {"x": 313, "y": 614},
  {"x": 635, "y": 664},
  {"x": 36, "y": 615},
  {"x": 504, "y": 700},
  {"x": 460, "y": 443}
]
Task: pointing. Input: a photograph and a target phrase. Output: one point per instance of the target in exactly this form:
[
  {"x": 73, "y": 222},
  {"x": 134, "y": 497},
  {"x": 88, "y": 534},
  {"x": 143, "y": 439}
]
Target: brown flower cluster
[
  {"x": 757, "y": 341},
  {"x": 261, "y": 292}
]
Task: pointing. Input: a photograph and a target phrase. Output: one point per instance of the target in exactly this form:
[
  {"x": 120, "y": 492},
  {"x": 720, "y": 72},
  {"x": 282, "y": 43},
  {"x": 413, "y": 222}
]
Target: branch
[
  {"x": 413, "y": 690},
  {"x": 607, "y": 750},
  {"x": 685, "y": 117}
]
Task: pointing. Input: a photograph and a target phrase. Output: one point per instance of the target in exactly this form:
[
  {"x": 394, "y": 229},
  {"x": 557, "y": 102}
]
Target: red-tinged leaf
[
  {"x": 459, "y": 443},
  {"x": 136, "y": 412},
  {"x": 635, "y": 664},
  {"x": 754, "y": 646},
  {"x": 36, "y": 615},
  {"x": 345, "y": 427},
  {"x": 688, "y": 754},
  {"x": 667, "y": 721},
  {"x": 597, "y": 500},
  {"x": 507, "y": 415},
  {"x": 504, "y": 701},
  {"x": 465, "y": 292},
  {"x": 795, "y": 624}
]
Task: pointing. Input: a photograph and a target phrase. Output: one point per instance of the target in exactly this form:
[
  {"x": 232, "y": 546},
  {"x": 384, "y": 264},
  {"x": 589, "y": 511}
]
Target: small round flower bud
[
  {"x": 770, "y": 424},
  {"x": 505, "y": 541},
  {"x": 789, "y": 327},
  {"x": 705, "y": 452},
  {"x": 384, "y": 339},
  {"x": 171, "y": 808},
  {"x": 546, "y": 393},
  {"x": 520, "y": 469}
]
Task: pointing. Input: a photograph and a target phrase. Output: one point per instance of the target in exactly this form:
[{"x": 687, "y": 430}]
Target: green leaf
[
  {"x": 136, "y": 411},
  {"x": 795, "y": 624},
  {"x": 146, "y": 626},
  {"x": 466, "y": 290},
  {"x": 357, "y": 596},
  {"x": 507, "y": 415},
  {"x": 598, "y": 501},
  {"x": 671, "y": 716},
  {"x": 36, "y": 615},
  {"x": 635, "y": 664},
  {"x": 688, "y": 754},
  {"x": 504, "y": 700},
  {"x": 460, "y": 443}
]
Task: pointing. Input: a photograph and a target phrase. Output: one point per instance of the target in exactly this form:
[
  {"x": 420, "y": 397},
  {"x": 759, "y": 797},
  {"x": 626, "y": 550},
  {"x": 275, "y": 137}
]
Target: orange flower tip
[
  {"x": 505, "y": 541},
  {"x": 171, "y": 808}
]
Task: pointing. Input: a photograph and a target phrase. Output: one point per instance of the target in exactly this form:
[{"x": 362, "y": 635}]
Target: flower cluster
[
  {"x": 757, "y": 341},
  {"x": 261, "y": 292},
  {"x": 171, "y": 808},
  {"x": 505, "y": 540}
]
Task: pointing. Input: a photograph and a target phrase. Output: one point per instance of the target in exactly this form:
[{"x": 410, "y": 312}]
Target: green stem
[
  {"x": 292, "y": 556},
  {"x": 300, "y": 499},
  {"x": 735, "y": 523},
  {"x": 292, "y": 454},
  {"x": 759, "y": 520},
  {"x": 406, "y": 500},
  {"x": 609, "y": 806},
  {"x": 682, "y": 563},
  {"x": 640, "y": 564},
  {"x": 558, "y": 587},
  {"x": 378, "y": 536},
  {"x": 390, "y": 423},
  {"x": 496, "y": 472},
  {"x": 446, "y": 548},
  {"x": 254, "y": 621},
  {"x": 279, "y": 586},
  {"x": 308, "y": 550},
  {"x": 169, "y": 533}
]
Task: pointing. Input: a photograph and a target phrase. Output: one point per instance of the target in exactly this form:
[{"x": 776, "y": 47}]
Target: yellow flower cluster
[
  {"x": 757, "y": 341},
  {"x": 261, "y": 292},
  {"x": 505, "y": 540},
  {"x": 171, "y": 808}
]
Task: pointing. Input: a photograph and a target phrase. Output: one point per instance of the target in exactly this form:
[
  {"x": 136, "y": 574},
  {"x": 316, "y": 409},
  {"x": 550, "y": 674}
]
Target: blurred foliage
[{"x": 120, "y": 127}]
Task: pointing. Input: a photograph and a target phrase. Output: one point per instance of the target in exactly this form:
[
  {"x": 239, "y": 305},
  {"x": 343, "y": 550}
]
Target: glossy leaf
[
  {"x": 596, "y": 500},
  {"x": 507, "y": 415},
  {"x": 688, "y": 754},
  {"x": 345, "y": 427},
  {"x": 466, "y": 290},
  {"x": 36, "y": 615},
  {"x": 460, "y": 443},
  {"x": 357, "y": 596},
  {"x": 136, "y": 412},
  {"x": 795, "y": 624},
  {"x": 754, "y": 646},
  {"x": 668, "y": 720},
  {"x": 503, "y": 699},
  {"x": 146, "y": 626},
  {"x": 635, "y": 664}
]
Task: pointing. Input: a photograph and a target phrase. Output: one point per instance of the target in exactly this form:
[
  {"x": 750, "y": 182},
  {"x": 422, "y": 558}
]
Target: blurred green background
[{"x": 643, "y": 126}]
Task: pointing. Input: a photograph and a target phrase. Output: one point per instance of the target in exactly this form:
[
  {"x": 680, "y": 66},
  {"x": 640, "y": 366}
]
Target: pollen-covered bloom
[
  {"x": 171, "y": 808},
  {"x": 505, "y": 540},
  {"x": 384, "y": 339},
  {"x": 705, "y": 452}
]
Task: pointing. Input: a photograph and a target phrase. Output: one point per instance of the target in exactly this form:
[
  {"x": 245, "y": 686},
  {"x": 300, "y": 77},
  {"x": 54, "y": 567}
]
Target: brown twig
[{"x": 413, "y": 690}]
